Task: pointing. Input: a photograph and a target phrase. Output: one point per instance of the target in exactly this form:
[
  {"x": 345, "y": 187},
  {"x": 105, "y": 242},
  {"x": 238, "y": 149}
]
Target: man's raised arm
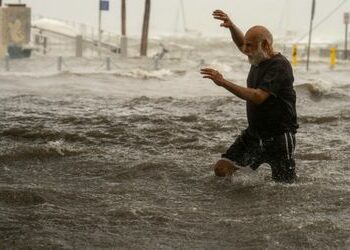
[{"x": 236, "y": 34}]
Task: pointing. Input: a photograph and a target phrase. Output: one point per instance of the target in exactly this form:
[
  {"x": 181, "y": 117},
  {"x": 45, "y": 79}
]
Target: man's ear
[{"x": 266, "y": 46}]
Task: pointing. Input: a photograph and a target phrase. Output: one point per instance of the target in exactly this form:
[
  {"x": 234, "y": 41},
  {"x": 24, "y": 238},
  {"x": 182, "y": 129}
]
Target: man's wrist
[{"x": 223, "y": 83}]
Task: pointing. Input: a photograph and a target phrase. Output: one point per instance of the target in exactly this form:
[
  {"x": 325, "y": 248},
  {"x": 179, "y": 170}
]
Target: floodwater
[{"x": 122, "y": 159}]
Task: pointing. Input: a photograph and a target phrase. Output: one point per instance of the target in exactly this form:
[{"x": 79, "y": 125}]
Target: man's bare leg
[{"x": 224, "y": 168}]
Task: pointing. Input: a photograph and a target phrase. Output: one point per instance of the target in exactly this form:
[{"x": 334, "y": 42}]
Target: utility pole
[
  {"x": 346, "y": 22},
  {"x": 123, "y": 38},
  {"x": 310, "y": 33},
  {"x": 123, "y": 18},
  {"x": 183, "y": 15},
  {"x": 145, "y": 28}
]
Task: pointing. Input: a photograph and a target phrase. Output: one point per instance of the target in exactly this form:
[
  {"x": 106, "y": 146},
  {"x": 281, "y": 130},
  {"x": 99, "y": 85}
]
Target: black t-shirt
[{"x": 277, "y": 114}]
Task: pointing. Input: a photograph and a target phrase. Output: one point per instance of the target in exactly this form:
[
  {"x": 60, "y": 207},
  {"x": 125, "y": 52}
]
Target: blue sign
[{"x": 104, "y": 5}]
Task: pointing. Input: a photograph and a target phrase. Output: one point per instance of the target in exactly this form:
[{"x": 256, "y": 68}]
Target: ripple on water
[{"x": 21, "y": 197}]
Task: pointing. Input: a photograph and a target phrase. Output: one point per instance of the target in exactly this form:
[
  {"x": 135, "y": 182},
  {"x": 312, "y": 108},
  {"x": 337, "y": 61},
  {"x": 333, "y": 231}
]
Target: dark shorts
[{"x": 278, "y": 152}]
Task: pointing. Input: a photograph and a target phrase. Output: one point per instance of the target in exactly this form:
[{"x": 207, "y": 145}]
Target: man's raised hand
[
  {"x": 213, "y": 75},
  {"x": 222, "y": 16}
]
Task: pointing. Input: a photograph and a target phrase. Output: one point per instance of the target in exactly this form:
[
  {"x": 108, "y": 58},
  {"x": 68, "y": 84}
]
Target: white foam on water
[
  {"x": 220, "y": 66},
  {"x": 57, "y": 146},
  {"x": 55, "y": 26},
  {"x": 246, "y": 176},
  {"x": 321, "y": 86},
  {"x": 144, "y": 74}
]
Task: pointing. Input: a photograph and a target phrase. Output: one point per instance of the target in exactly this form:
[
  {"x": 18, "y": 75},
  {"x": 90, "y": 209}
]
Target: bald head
[
  {"x": 260, "y": 34},
  {"x": 258, "y": 44}
]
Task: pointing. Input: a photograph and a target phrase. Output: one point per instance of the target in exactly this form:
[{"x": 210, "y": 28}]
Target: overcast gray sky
[{"x": 278, "y": 15}]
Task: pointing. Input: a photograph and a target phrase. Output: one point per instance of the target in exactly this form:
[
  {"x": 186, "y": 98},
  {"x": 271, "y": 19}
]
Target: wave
[
  {"x": 51, "y": 149},
  {"x": 43, "y": 134},
  {"x": 322, "y": 89},
  {"x": 133, "y": 73},
  {"x": 21, "y": 197},
  {"x": 317, "y": 120},
  {"x": 314, "y": 156},
  {"x": 84, "y": 120},
  {"x": 189, "y": 118},
  {"x": 139, "y": 100},
  {"x": 342, "y": 114},
  {"x": 34, "y": 74},
  {"x": 221, "y": 66},
  {"x": 145, "y": 74},
  {"x": 153, "y": 169}
]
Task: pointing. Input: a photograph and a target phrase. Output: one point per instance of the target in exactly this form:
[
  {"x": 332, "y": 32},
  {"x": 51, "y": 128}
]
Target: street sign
[
  {"x": 104, "y": 5},
  {"x": 346, "y": 18}
]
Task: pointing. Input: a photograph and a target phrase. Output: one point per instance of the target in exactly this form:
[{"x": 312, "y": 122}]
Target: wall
[{"x": 15, "y": 25}]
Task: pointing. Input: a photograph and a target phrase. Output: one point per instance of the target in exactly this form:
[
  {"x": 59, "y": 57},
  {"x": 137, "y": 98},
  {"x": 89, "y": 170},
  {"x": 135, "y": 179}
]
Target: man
[{"x": 270, "y": 102}]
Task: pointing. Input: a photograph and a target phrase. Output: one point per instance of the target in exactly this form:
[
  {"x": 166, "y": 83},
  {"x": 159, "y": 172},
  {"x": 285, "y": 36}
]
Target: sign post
[
  {"x": 103, "y": 5},
  {"x": 346, "y": 22}
]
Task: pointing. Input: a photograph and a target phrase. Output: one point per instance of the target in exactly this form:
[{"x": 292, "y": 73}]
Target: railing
[
  {"x": 87, "y": 31},
  {"x": 58, "y": 64},
  {"x": 85, "y": 41}
]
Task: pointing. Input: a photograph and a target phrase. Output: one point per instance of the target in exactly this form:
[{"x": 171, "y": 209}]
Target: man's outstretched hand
[
  {"x": 214, "y": 75},
  {"x": 220, "y": 15}
]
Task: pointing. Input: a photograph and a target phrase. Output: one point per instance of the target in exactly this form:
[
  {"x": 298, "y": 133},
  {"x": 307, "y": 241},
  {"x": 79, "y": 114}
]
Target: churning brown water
[{"x": 122, "y": 160}]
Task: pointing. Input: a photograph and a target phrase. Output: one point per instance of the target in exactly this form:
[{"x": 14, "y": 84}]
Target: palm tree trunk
[{"x": 145, "y": 27}]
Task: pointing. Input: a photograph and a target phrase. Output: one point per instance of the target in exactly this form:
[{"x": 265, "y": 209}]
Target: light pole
[
  {"x": 145, "y": 27},
  {"x": 123, "y": 38},
  {"x": 346, "y": 22},
  {"x": 99, "y": 26},
  {"x": 310, "y": 33},
  {"x": 123, "y": 18}
]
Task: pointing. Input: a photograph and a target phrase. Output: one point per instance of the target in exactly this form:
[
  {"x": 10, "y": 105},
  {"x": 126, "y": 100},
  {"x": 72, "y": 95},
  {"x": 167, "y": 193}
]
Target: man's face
[{"x": 253, "y": 49}]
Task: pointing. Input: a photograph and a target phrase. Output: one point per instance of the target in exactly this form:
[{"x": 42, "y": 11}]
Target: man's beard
[{"x": 258, "y": 56}]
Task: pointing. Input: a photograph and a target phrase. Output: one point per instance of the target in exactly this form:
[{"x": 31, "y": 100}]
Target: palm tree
[{"x": 145, "y": 27}]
